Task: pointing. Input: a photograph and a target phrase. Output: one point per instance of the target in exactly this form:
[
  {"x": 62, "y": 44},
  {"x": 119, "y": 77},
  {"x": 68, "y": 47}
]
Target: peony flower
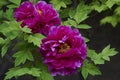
[
  {"x": 64, "y": 50},
  {"x": 39, "y": 18},
  {"x": 25, "y": 13},
  {"x": 47, "y": 17}
]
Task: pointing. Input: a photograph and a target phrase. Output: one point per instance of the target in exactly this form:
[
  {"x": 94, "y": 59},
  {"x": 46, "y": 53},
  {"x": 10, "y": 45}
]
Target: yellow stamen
[
  {"x": 39, "y": 11},
  {"x": 63, "y": 48}
]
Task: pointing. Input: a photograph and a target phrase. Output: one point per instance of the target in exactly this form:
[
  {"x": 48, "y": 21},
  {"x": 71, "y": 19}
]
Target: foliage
[
  {"x": 100, "y": 58},
  {"x": 96, "y": 58},
  {"x": 73, "y": 13},
  {"x": 22, "y": 56},
  {"x": 89, "y": 68},
  {"x": 18, "y": 71}
]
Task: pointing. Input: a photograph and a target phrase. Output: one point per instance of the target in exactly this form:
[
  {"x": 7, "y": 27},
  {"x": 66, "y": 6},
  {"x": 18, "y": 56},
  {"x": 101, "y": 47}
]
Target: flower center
[
  {"x": 63, "y": 48},
  {"x": 39, "y": 11}
]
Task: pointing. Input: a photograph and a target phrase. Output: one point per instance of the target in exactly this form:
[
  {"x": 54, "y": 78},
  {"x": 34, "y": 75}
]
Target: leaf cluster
[
  {"x": 94, "y": 59},
  {"x": 27, "y": 59}
]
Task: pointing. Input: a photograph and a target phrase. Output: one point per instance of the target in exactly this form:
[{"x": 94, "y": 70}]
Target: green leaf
[
  {"x": 46, "y": 76},
  {"x": 89, "y": 68},
  {"x": 70, "y": 22},
  {"x": 5, "y": 47},
  {"x": 9, "y": 14},
  {"x": 107, "y": 52},
  {"x": 98, "y": 60},
  {"x": 110, "y": 19},
  {"x": 110, "y": 3},
  {"x": 103, "y": 56},
  {"x": 87, "y": 40},
  {"x": 2, "y": 40},
  {"x": 67, "y": 1},
  {"x": 58, "y": 4},
  {"x": 21, "y": 71},
  {"x": 83, "y": 26},
  {"x": 22, "y": 56},
  {"x": 11, "y": 73},
  {"x": 34, "y": 72},
  {"x": 117, "y": 10},
  {"x": 80, "y": 16},
  {"x": 26, "y": 29},
  {"x": 12, "y": 6},
  {"x": 17, "y": 2},
  {"x": 35, "y": 39},
  {"x": 93, "y": 70},
  {"x": 10, "y": 29},
  {"x": 72, "y": 12},
  {"x": 95, "y": 57},
  {"x": 82, "y": 12},
  {"x": 91, "y": 53},
  {"x": 3, "y": 2},
  {"x": 14, "y": 25},
  {"x": 18, "y": 71},
  {"x": 99, "y": 6},
  {"x": 84, "y": 73}
]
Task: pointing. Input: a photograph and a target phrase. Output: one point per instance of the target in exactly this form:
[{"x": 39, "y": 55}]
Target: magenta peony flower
[
  {"x": 64, "y": 50},
  {"x": 25, "y": 13},
  {"x": 39, "y": 18},
  {"x": 47, "y": 17}
]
